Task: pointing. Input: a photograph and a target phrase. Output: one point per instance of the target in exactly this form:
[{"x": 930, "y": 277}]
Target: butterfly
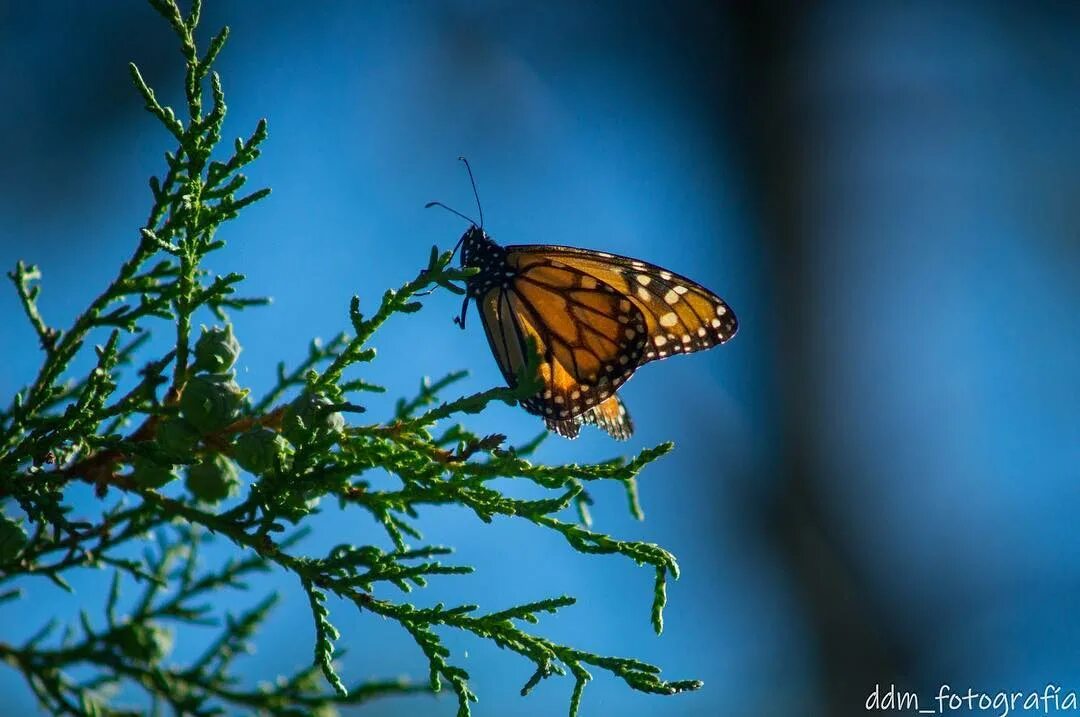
[{"x": 594, "y": 318}]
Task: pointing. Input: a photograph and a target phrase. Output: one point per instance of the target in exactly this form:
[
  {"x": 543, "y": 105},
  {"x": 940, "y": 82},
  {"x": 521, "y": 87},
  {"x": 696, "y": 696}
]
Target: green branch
[{"x": 173, "y": 441}]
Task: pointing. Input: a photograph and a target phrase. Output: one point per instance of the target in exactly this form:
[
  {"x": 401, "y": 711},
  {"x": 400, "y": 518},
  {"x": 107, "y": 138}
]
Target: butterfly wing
[
  {"x": 681, "y": 316},
  {"x": 590, "y": 338},
  {"x": 595, "y": 318},
  {"x": 612, "y": 417}
]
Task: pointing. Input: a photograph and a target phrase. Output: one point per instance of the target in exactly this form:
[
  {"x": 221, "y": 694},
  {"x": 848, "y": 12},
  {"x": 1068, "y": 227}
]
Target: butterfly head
[
  {"x": 479, "y": 251},
  {"x": 477, "y": 248}
]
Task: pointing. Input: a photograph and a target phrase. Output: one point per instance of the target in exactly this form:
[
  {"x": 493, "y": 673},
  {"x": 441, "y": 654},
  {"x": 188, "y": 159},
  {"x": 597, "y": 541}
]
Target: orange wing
[
  {"x": 591, "y": 339},
  {"x": 612, "y": 417},
  {"x": 595, "y": 318},
  {"x": 681, "y": 315}
]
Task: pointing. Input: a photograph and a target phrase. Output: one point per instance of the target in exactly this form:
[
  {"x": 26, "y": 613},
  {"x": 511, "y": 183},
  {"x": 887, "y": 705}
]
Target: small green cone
[{"x": 213, "y": 479}]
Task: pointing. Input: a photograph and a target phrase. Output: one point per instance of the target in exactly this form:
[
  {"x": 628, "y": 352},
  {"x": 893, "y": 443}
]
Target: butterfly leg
[{"x": 460, "y": 320}]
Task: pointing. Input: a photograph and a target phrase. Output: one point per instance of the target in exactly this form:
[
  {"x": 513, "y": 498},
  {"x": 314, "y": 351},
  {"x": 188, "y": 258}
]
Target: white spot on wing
[
  {"x": 669, "y": 319},
  {"x": 659, "y": 340},
  {"x": 671, "y": 297},
  {"x": 643, "y": 279}
]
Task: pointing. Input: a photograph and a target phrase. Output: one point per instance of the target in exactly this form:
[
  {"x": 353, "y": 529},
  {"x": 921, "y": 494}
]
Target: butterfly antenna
[
  {"x": 476, "y": 194},
  {"x": 429, "y": 205}
]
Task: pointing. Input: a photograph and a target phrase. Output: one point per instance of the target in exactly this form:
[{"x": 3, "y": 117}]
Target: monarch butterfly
[{"x": 595, "y": 319}]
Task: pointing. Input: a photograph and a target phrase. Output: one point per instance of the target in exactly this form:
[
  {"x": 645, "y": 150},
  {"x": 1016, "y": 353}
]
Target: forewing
[
  {"x": 590, "y": 337},
  {"x": 681, "y": 316}
]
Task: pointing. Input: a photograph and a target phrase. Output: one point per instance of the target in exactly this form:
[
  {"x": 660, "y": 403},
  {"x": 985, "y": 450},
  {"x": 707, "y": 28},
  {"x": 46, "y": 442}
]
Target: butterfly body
[
  {"x": 595, "y": 318},
  {"x": 479, "y": 251}
]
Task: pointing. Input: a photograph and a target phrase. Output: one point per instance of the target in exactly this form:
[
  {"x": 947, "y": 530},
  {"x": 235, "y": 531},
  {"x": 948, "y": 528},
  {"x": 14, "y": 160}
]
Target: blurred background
[{"x": 877, "y": 482}]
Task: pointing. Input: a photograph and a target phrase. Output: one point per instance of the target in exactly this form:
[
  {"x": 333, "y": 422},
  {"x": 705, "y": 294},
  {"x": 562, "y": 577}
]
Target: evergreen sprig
[{"x": 185, "y": 414}]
